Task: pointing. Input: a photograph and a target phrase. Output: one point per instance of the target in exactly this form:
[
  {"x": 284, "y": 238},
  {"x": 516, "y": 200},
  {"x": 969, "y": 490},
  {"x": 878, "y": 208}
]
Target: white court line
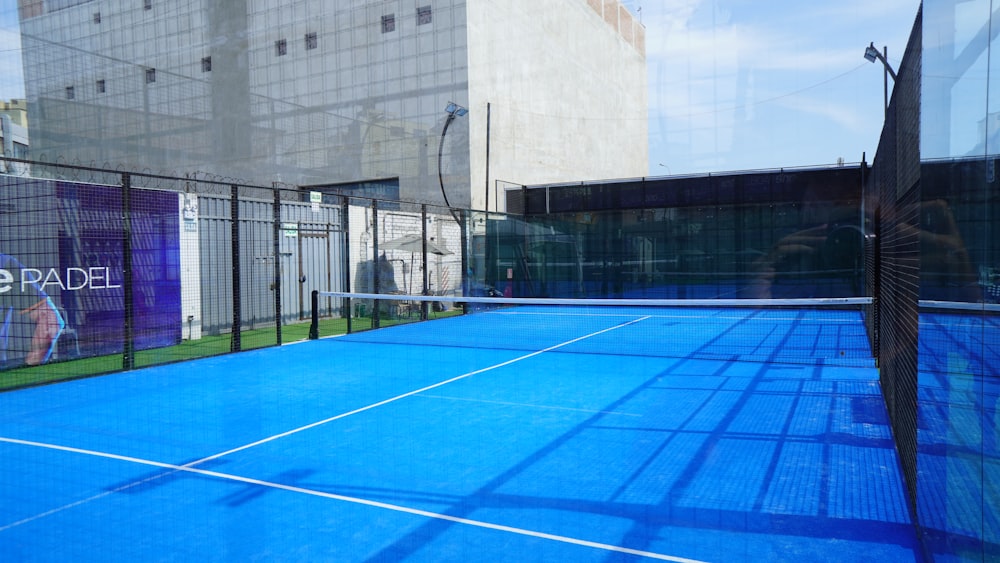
[
  {"x": 408, "y": 394},
  {"x": 353, "y": 500},
  {"x": 190, "y": 467}
]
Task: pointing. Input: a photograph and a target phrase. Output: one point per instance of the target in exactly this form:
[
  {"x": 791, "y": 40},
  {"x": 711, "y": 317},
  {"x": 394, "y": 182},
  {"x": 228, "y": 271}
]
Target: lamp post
[
  {"x": 872, "y": 54},
  {"x": 454, "y": 110}
]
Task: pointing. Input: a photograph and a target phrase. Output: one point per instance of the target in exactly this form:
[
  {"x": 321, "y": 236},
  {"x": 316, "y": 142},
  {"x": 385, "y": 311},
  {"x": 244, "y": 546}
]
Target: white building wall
[
  {"x": 364, "y": 103},
  {"x": 565, "y": 80},
  {"x": 14, "y": 143},
  {"x": 190, "y": 255},
  {"x": 566, "y": 84},
  {"x": 444, "y": 272}
]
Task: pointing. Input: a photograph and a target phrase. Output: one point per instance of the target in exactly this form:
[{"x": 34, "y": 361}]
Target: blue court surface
[
  {"x": 958, "y": 455},
  {"x": 370, "y": 448}
]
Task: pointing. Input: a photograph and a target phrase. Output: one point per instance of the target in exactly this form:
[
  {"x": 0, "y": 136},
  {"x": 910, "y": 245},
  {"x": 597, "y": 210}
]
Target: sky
[
  {"x": 733, "y": 84},
  {"x": 11, "y": 74},
  {"x": 748, "y": 84}
]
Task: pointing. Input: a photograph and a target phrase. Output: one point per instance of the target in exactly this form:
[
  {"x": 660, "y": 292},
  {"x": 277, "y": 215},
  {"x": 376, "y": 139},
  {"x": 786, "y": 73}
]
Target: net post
[
  {"x": 350, "y": 314},
  {"x": 314, "y": 325}
]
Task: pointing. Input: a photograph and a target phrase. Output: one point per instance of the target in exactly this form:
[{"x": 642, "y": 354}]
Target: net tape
[{"x": 722, "y": 303}]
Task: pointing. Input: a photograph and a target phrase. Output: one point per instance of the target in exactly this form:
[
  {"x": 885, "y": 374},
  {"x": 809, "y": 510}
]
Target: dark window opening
[
  {"x": 101, "y": 87},
  {"x": 424, "y": 15},
  {"x": 147, "y": 4},
  {"x": 281, "y": 47},
  {"x": 97, "y": 17},
  {"x": 70, "y": 93},
  {"x": 206, "y": 64},
  {"x": 311, "y": 41},
  {"x": 150, "y": 75},
  {"x": 389, "y": 23}
]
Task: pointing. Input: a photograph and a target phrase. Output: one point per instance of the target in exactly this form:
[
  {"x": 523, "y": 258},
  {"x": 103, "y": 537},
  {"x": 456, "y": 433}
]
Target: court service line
[
  {"x": 192, "y": 464},
  {"x": 409, "y": 394},
  {"x": 353, "y": 500}
]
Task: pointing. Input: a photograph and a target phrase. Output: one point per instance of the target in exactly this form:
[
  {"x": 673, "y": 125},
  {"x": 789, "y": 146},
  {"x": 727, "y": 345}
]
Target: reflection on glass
[{"x": 958, "y": 461}]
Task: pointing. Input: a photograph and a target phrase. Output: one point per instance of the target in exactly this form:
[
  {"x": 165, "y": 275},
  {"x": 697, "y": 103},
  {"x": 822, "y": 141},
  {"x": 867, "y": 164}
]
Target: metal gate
[
  {"x": 309, "y": 254},
  {"x": 316, "y": 258}
]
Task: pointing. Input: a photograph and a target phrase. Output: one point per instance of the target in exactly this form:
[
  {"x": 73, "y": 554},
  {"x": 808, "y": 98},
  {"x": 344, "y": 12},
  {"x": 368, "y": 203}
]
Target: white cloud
[
  {"x": 841, "y": 115},
  {"x": 778, "y": 72}
]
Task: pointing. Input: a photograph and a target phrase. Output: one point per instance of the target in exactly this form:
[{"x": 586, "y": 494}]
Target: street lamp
[
  {"x": 454, "y": 110},
  {"x": 872, "y": 54}
]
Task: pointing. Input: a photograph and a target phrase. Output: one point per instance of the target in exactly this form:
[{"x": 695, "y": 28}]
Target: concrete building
[
  {"x": 351, "y": 93},
  {"x": 17, "y": 110},
  {"x": 14, "y": 134}
]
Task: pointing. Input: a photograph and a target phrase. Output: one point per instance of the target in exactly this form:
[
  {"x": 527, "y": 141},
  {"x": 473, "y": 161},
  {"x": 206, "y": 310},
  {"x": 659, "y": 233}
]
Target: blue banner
[{"x": 62, "y": 277}]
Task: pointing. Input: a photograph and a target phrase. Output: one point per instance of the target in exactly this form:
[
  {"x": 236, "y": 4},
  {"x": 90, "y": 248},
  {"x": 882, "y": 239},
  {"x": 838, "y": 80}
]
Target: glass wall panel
[
  {"x": 774, "y": 235},
  {"x": 958, "y": 484}
]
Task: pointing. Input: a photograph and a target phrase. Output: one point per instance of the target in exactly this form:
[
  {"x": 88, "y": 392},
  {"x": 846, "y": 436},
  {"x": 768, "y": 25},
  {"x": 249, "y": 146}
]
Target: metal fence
[
  {"x": 893, "y": 200},
  {"x": 109, "y": 270}
]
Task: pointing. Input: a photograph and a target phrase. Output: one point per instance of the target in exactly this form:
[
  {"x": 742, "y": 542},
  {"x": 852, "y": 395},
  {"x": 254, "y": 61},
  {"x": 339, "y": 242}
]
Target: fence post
[
  {"x": 277, "y": 262},
  {"x": 235, "y": 342},
  {"x": 463, "y": 221},
  {"x": 128, "y": 355},
  {"x": 376, "y": 279},
  {"x": 425, "y": 289},
  {"x": 345, "y": 226}
]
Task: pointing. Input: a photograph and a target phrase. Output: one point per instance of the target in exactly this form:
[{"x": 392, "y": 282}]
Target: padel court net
[{"x": 826, "y": 331}]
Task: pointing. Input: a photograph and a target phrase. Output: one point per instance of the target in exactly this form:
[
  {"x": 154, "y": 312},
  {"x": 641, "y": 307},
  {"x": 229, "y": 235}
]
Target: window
[
  {"x": 150, "y": 75},
  {"x": 70, "y": 93},
  {"x": 97, "y": 17},
  {"x": 423, "y": 15},
  {"x": 101, "y": 87},
  {"x": 281, "y": 47},
  {"x": 311, "y": 41},
  {"x": 389, "y": 23},
  {"x": 147, "y": 4},
  {"x": 206, "y": 64}
]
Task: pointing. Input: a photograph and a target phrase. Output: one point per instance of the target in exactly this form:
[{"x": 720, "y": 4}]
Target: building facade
[
  {"x": 347, "y": 94},
  {"x": 17, "y": 110},
  {"x": 14, "y": 133}
]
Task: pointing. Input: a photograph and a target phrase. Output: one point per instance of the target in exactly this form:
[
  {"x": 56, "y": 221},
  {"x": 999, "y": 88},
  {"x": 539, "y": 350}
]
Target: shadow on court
[{"x": 525, "y": 457}]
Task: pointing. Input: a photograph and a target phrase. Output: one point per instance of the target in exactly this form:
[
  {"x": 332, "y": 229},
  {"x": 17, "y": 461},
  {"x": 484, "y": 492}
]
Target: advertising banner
[{"x": 62, "y": 270}]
